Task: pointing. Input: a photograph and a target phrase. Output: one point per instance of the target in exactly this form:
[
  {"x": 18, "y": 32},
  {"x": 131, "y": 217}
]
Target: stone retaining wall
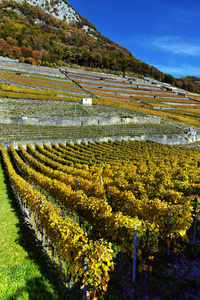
[
  {"x": 14, "y": 65},
  {"x": 163, "y": 139},
  {"x": 121, "y": 88},
  {"x": 81, "y": 121},
  {"x": 165, "y": 96}
]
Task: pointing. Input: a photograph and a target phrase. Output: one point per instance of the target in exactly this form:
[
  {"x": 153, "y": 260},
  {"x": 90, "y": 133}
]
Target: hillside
[
  {"x": 43, "y": 103},
  {"x": 51, "y": 68},
  {"x": 53, "y": 33},
  {"x": 93, "y": 194},
  {"x": 60, "y": 9},
  {"x": 79, "y": 183},
  {"x": 46, "y": 40}
]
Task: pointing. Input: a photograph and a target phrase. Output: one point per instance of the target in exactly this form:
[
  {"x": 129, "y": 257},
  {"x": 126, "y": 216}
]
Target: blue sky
[{"x": 164, "y": 34}]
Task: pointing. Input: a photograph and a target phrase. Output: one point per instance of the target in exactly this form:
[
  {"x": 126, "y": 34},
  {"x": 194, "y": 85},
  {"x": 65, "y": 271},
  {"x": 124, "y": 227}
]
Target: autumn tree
[
  {"x": 5, "y": 48},
  {"x": 26, "y": 51}
]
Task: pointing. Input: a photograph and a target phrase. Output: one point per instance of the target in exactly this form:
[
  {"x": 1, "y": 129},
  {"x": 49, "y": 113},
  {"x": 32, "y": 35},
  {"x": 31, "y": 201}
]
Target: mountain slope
[
  {"x": 32, "y": 34},
  {"x": 59, "y": 9},
  {"x": 23, "y": 25}
]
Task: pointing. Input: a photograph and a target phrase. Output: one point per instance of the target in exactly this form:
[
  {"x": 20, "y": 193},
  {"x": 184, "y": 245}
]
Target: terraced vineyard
[
  {"x": 40, "y": 93},
  {"x": 139, "y": 95},
  {"x": 87, "y": 201},
  {"x": 116, "y": 87},
  {"x": 12, "y": 132},
  {"x": 102, "y": 193}
]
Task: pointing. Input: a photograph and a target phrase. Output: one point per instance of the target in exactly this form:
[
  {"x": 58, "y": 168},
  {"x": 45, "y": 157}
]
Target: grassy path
[{"x": 25, "y": 270}]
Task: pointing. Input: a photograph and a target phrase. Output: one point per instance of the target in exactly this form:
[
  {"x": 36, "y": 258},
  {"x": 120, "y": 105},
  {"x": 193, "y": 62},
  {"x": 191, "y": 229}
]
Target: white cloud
[{"x": 176, "y": 45}]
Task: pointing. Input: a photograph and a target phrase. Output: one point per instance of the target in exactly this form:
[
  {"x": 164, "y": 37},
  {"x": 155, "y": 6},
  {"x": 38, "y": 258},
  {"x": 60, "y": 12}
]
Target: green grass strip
[{"x": 26, "y": 272}]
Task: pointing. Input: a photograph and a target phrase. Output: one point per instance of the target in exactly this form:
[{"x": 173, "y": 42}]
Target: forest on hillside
[{"x": 33, "y": 36}]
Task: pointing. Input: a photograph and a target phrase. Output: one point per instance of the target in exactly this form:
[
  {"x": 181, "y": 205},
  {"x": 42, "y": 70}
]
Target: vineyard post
[
  {"x": 42, "y": 228},
  {"x": 195, "y": 222},
  {"x": 169, "y": 226},
  {"x": 52, "y": 254},
  {"x": 27, "y": 211},
  {"x": 60, "y": 265},
  {"x": 47, "y": 244},
  {"x": 134, "y": 253},
  {"x": 69, "y": 281},
  {"x": 101, "y": 179},
  {"x": 42, "y": 235},
  {"x": 85, "y": 287}
]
